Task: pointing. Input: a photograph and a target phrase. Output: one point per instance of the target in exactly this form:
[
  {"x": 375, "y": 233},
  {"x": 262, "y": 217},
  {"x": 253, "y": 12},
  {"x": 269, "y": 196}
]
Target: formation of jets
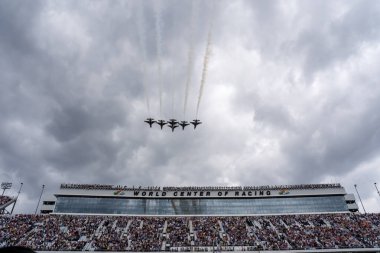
[{"x": 172, "y": 123}]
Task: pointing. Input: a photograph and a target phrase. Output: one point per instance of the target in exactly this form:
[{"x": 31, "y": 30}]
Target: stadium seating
[
  {"x": 127, "y": 233},
  {"x": 4, "y": 200}
]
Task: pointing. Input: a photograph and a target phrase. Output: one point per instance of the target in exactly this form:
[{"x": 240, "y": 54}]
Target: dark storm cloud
[
  {"x": 355, "y": 140},
  {"x": 330, "y": 40},
  {"x": 72, "y": 121},
  {"x": 51, "y": 122},
  {"x": 15, "y": 19},
  {"x": 84, "y": 135},
  {"x": 72, "y": 98},
  {"x": 327, "y": 43}
]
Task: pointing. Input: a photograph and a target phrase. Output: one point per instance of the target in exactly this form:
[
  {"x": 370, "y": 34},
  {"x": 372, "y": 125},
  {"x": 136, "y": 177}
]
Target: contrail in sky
[
  {"x": 142, "y": 39},
  {"x": 190, "y": 60},
  {"x": 204, "y": 71},
  {"x": 157, "y": 11}
]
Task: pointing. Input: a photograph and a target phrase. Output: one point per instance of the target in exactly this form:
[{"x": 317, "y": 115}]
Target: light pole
[
  {"x": 42, "y": 191},
  {"x": 18, "y": 194},
  {"x": 360, "y": 198},
  {"x": 215, "y": 238},
  {"x": 377, "y": 189},
  {"x": 5, "y": 186}
]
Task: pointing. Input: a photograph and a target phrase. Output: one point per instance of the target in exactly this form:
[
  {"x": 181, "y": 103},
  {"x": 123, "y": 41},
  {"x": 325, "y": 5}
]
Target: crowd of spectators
[
  {"x": 110, "y": 235},
  {"x": 178, "y": 232},
  {"x": 4, "y": 200},
  {"x": 202, "y": 188},
  {"x": 198, "y": 188},
  {"x": 108, "y": 187},
  {"x": 87, "y": 186},
  {"x": 292, "y": 187},
  {"x": 146, "y": 234},
  {"x": 206, "y": 230},
  {"x": 127, "y": 233}
]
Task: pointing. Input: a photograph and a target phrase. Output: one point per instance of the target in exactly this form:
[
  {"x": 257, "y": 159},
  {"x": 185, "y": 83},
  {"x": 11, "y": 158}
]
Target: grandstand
[
  {"x": 325, "y": 220},
  {"x": 6, "y": 201},
  {"x": 248, "y": 200}
]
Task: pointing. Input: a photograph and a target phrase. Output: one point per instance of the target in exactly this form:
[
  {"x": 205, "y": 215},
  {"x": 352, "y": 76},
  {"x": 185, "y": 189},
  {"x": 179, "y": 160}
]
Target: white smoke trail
[
  {"x": 190, "y": 61},
  {"x": 173, "y": 98},
  {"x": 204, "y": 71},
  {"x": 142, "y": 40},
  {"x": 188, "y": 80},
  {"x": 157, "y": 11}
]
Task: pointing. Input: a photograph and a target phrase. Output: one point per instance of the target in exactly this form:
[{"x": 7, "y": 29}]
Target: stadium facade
[{"x": 251, "y": 200}]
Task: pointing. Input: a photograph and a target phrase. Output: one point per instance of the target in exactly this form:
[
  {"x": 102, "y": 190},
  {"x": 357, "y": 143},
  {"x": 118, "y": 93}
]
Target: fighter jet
[
  {"x": 150, "y": 121},
  {"x": 161, "y": 123},
  {"x": 172, "y": 123},
  {"x": 183, "y": 124},
  {"x": 196, "y": 122},
  {"x": 172, "y": 127}
]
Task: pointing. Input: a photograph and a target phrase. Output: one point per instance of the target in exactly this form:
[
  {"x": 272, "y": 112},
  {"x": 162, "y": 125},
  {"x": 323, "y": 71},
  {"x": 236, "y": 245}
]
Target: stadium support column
[
  {"x": 360, "y": 198},
  {"x": 42, "y": 191},
  {"x": 18, "y": 194}
]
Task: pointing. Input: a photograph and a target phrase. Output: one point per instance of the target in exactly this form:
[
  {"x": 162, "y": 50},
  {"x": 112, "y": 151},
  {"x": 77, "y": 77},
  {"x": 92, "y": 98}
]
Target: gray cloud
[{"x": 291, "y": 94}]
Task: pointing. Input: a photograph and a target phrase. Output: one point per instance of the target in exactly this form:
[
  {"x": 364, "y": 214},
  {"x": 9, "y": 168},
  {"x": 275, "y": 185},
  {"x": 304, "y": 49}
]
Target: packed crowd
[
  {"x": 198, "y": 188},
  {"x": 202, "y": 188},
  {"x": 108, "y": 187},
  {"x": 4, "y": 200},
  {"x": 292, "y": 187},
  {"x": 178, "y": 232},
  {"x": 127, "y": 233},
  {"x": 146, "y": 234},
  {"x": 206, "y": 230},
  {"x": 87, "y": 186}
]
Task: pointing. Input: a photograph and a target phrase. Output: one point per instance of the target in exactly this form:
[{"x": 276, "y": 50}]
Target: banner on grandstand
[{"x": 195, "y": 194}]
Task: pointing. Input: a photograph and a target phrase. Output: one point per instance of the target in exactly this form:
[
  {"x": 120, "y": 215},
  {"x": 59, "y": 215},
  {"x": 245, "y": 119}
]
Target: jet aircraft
[
  {"x": 150, "y": 121},
  {"x": 172, "y": 127},
  {"x": 183, "y": 124},
  {"x": 196, "y": 122},
  {"x": 161, "y": 123},
  {"x": 172, "y": 123}
]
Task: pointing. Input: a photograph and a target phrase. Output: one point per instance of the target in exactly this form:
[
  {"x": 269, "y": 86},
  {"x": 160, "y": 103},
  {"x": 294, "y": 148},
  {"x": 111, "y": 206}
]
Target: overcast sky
[{"x": 291, "y": 94}]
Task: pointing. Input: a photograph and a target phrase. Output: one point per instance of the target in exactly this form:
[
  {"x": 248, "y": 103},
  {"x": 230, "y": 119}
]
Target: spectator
[{"x": 125, "y": 233}]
